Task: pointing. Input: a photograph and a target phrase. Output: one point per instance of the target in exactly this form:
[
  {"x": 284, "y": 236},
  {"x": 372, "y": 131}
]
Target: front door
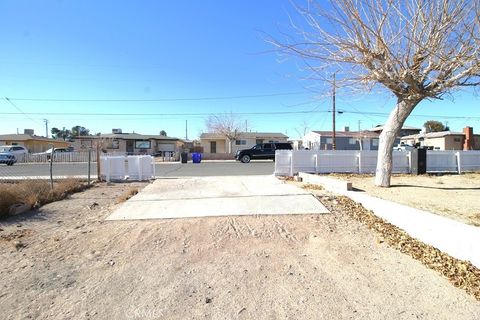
[
  {"x": 130, "y": 146},
  {"x": 213, "y": 146}
]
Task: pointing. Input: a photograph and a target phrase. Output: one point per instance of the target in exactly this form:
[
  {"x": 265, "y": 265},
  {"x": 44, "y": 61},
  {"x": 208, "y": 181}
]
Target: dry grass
[
  {"x": 475, "y": 219},
  {"x": 35, "y": 193},
  {"x": 311, "y": 186},
  {"x": 127, "y": 195}
]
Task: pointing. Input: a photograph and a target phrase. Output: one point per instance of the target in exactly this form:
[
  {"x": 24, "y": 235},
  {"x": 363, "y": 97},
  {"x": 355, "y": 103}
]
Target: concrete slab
[{"x": 217, "y": 196}]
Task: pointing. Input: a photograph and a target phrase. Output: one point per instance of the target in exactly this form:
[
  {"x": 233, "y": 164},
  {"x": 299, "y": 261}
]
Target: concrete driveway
[{"x": 217, "y": 196}]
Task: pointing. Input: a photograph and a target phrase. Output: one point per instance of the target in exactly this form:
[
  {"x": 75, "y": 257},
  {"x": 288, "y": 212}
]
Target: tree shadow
[{"x": 31, "y": 215}]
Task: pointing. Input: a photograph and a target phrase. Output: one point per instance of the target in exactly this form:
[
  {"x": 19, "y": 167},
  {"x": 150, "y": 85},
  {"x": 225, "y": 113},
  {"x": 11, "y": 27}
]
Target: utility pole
[
  {"x": 46, "y": 127},
  {"x": 246, "y": 126},
  {"x": 359, "y": 122},
  {"x": 186, "y": 129},
  {"x": 334, "y": 142}
]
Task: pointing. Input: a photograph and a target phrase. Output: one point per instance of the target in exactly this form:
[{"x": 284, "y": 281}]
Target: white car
[
  {"x": 19, "y": 152},
  {"x": 403, "y": 147}
]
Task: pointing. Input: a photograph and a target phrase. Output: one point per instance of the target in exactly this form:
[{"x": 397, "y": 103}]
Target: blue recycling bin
[{"x": 196, "y": 157}]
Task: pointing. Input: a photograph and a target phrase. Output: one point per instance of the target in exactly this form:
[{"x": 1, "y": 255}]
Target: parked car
[
  {"x": 403, "y": 147},
  {"x": 261, "y": 151},
  {"x": 55, "y": 150},
  {"x": 18, "y": 151},
  {"x": 7, "y": 158}
]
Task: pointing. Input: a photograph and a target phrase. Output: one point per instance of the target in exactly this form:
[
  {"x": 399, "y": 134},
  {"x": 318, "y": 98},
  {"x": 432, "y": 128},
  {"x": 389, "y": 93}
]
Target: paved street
[
  {"x": 164, "y": 169},
  {"x": 221, "y": 168}
]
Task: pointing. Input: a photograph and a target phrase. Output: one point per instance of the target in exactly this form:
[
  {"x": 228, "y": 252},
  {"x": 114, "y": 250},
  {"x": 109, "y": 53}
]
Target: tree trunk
[{"x": 390, "y": 131}]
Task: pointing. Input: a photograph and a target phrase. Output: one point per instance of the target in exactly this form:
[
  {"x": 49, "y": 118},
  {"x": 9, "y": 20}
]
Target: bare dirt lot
[
  {"x": 65, "y": 262},
  {"x": 451, "y": 195}
]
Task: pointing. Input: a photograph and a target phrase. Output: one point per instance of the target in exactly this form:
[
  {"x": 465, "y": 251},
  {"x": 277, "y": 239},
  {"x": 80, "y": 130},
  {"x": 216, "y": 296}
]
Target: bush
[{"x": 35, "y": 193}]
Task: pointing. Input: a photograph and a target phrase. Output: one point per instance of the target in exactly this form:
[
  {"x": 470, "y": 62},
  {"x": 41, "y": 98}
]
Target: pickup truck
[{"x": 261, "y": 151}]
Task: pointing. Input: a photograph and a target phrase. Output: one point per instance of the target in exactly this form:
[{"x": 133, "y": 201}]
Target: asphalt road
[{"x": 164, "y": 169}]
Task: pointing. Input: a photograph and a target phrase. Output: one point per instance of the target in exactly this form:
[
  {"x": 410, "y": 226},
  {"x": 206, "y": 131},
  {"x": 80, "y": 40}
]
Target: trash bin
[
  {"x": 184, "y": 157},
  {"x": 196, "y": 157},
  {"x": 419, "y": 161},
  {"x": 422, "y": 161}
]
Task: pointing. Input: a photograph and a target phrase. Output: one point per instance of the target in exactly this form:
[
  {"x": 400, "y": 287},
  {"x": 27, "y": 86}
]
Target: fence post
[
  {"x": 459, "y": 163},
  {"x": 316, "y": 162},
  {"x": 99, "y": 177},
  {"x": 359, "y": 161},
  {"x": 291, "y": 163},
  {"x": 51, "y": 166},
  {"x": 409, "y": 156},
  {"x": 89, "y": 163}
]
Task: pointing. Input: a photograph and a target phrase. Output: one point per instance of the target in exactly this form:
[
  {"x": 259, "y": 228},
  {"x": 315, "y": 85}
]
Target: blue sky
[{"x": 177, "y": 53}]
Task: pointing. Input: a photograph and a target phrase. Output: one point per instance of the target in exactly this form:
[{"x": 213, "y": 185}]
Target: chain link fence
[{"x": 76, "y": 164}]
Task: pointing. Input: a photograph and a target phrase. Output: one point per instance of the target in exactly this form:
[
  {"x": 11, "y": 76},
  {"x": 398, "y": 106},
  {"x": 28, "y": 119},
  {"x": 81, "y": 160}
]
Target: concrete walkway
[
  {"x": 457, "y": 239},
  {"x": 217, "y": 196}
]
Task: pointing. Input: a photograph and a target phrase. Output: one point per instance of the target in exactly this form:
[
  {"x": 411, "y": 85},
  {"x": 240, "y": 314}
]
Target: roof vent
[{"x": 116, "y": 131}]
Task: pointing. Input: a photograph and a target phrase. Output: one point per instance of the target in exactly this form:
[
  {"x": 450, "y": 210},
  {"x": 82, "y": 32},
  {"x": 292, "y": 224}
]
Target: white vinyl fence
[
  {"x": 127, "y": 167},
  {"x": 74, "y": 156},
  {"x": 290, "y": 162}
]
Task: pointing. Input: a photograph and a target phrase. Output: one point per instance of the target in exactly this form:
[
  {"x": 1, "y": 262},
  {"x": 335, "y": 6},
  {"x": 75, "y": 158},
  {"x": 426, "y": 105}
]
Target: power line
[
  {"x": 158, "y": 114},
  {"x": 314, "y": 110},
  {"x": 160, "y": 99},
  {"x": 21, "y": 112}
]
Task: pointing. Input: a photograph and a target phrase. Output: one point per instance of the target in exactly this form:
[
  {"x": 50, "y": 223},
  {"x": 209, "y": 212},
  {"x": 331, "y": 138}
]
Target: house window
[
  {"x": 352, "y": 141},
  {"x": 113, "y": 144},
  {"x": 240, "y": 142},
  {"x": 142, "y": 144},
  {"x": 375, "y": 142},
  {"x": 329, "y": 141},
  {"x": 259, "y": 141},
  {"x": 85, "y": 144}
]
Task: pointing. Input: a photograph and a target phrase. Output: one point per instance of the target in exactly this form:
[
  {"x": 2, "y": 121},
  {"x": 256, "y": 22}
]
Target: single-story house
[
  {"x": 130, "y": 143},
  {"x": 344, "y": 140},
  {"x": 218, "y": 143},
  {"x": 32, "y": 142},
  {"x": 405, "y": 131},
  {"x": 446, "y": 140}
]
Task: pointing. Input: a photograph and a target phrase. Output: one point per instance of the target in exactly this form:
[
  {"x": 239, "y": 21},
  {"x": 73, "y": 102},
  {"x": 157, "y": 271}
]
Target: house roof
[
  {"x": 129, "y": 136},
  {"x": 349, "y": 134},
  {"x": 380, "y": 128},
  {"x": 434, "y": 135},
  {"x": 25, "y": 137},
  {"x": 254, "y": 135}
]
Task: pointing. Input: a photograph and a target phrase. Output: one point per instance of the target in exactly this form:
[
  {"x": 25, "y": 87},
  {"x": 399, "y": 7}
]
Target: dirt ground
[
  {"x": 65, "y": 262},
  {"x": 451, "y": 195}
]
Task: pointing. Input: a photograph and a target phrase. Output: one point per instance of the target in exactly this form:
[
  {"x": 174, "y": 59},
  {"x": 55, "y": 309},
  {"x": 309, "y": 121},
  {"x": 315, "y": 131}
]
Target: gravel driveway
[{"x": 67, "y": 262}]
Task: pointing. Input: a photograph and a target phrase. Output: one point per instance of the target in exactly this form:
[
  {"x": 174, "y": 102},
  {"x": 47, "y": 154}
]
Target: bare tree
[
  {"x": 226, "y": 124},
  {"x": 302, "y": 130},
  {"x": 415, "y": 49}
]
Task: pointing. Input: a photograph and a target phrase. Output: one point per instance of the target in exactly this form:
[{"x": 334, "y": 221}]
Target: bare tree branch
[
  {"x": 225, "y": 124},
  {"x": 416, "y": 49}
]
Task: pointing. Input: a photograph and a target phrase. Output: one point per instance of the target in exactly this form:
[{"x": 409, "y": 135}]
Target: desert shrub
[
  {"x": 35, "y": 193},
  {"x": 127, "y": 195}
]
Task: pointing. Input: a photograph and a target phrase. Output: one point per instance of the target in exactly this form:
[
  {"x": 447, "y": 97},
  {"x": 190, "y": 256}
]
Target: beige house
[
  {"x": 446, "y": 140},
  {"x": 33, "y": 143},
  {"x": 130, "y": 143},
  {"x": 218, "y": 143}
]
